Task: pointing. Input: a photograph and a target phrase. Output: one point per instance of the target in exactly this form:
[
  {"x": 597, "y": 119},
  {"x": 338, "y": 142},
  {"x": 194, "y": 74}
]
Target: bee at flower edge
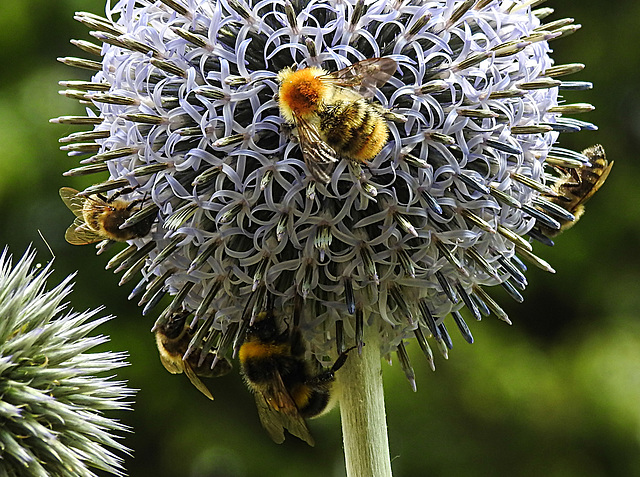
[
  {"x": 287, "y": 387},
  {"x": 576, "y": 186},
  {"x": 332, "y": 115},
  {"x": 172, "y": 339},
  {"x": 100, "y": 218}
]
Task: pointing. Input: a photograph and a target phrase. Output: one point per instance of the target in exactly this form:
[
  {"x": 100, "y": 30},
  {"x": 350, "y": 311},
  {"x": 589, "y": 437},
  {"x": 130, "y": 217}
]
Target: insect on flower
[
  {"x": 575, "y": 187},
  {"x": 182, "y": 98},
  {"x": 100, "y": 218},
  {"x": 287, "y": 387},
  {"x": 172, "y": 339},
  {"x": 332, "y": 115}
]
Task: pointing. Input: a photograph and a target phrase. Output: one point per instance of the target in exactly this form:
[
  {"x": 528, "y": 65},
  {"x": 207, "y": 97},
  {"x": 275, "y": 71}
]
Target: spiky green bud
[{"x": 53, "y": 391}]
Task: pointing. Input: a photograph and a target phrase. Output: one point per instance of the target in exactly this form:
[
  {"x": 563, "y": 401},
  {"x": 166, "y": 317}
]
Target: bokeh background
[{"x": 556, "y": 394}]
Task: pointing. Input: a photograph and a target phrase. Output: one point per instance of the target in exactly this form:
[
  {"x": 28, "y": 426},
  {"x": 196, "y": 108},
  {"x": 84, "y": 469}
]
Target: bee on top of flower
[{"x": 366, "y": 163}]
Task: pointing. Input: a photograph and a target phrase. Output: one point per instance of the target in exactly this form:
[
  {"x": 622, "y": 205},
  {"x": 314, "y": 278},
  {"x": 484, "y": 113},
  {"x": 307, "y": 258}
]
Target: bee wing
[
  {"x": 317, "y": 154},
  {"x": 365, "y": 76},
  {"x": 223, "y": 366},
  {"x": 79, "y": 233},
  {"x": 72, "y": 201},
  {"x": 278, "y": 412},
  {"x": 174, "y": 366},
  {"x": 170, "y": 365},
  {"x": 195, "y": 380},
  {"x": 603, "y": 177}
]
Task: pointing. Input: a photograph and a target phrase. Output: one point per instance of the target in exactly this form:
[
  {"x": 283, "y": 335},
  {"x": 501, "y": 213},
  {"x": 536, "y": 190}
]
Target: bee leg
[
  {"x": 125, "y": 190},
  {"x": 133, "y": 203},
  {"x": 388, "y": 114},
  {"x": 137, "y": 201},
  {"x": 576, "y": 177}
]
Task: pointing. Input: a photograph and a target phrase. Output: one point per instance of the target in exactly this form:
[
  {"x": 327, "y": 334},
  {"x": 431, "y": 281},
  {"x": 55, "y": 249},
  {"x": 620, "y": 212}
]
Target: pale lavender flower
[
  {"x": 182, "y": 108},
  {"x": 53, "y": 390}
]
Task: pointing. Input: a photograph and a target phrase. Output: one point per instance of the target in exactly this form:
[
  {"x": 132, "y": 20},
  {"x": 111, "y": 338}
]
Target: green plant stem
[{"x": 364, "y": 423}]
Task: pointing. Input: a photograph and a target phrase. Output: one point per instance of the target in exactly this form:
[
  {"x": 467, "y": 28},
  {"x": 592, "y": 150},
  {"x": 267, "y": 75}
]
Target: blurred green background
[{"x": 556, "y": 394}]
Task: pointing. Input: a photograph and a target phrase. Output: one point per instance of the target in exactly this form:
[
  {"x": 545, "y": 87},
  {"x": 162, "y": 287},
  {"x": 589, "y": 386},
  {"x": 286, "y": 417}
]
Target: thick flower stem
[{"x": 364, "y": 424}]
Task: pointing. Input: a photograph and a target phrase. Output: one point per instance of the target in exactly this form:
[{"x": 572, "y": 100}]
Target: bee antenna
[{"x": 342, "y": 359}]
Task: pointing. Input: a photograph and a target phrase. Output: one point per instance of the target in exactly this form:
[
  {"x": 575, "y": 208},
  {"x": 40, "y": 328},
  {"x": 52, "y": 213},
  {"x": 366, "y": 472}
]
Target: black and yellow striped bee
[
  {"x": 332, "y": 114},
  {"x": 100, "y": 218},
  {"x": 288, "y": 388}
]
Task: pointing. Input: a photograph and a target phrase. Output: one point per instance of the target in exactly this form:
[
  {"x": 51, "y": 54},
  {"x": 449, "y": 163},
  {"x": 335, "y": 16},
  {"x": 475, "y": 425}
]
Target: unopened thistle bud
[{"x": 53, "y": 391}]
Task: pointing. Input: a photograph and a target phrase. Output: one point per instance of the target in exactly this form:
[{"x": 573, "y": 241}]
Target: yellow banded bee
[
  {"x": 287, "y": 387},
  {"x": 99, "y": 218},
  {"x": 173, "y": 339},
  {"x": 576, "y": 186},
  {"x": 332, "y": 115}
]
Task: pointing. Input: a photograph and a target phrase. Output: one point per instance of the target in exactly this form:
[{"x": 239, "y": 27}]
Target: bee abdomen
[
  {"x": 354, "y": 129},
  {"x": 377, "y": 135},
  {"x": 310, "y": 402}
]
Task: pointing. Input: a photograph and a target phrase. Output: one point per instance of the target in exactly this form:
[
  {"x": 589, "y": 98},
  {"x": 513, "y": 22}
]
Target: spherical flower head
[
  {"x": 52, "y": 397},
  {"x": 185, "y": 106}
]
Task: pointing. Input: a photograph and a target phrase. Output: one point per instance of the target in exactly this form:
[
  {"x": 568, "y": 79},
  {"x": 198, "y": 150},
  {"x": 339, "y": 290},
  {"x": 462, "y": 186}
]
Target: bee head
[{"x": 300, "y": 92}]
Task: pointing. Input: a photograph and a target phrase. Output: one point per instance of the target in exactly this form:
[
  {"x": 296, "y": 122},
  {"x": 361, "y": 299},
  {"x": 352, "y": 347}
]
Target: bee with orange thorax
[
  {"x": 100, "y": 218},
  {"x": 287, "y": 387},
  {"x": 332, "y": 115}
]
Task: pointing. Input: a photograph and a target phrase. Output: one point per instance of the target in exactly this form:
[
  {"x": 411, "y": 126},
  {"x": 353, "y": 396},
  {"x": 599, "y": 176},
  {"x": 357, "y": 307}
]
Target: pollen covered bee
[
  {"x": 575, "y": 187},
  {"x": 173, "y": 340},
  {"x": 287, "y": 388},
  {"x": 99, "y": 218},
  {"x": 331, "y": 113}
]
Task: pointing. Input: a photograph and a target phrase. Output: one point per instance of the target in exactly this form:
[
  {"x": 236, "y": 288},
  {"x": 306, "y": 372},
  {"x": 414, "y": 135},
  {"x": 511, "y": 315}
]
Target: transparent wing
[
  {"x": 579, "y": 185},
  {"x": 364, "y": 76},
  {"x": 196, "y": 381},
  {"x": 72, "y": 201},
  {"x": 174, "y": 366},
  {"x": 170, "y": 365},
  {"x": 79, "y": 233},
  {"x": 278, "y": 411},
  {"x": 601, "y": 168},
  {"x": 318, "y": 155}
]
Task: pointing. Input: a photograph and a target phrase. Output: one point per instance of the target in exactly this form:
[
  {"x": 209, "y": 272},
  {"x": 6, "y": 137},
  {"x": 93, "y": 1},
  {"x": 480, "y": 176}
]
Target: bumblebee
[
  {"x": 575, "y": 187},
  {"x": 287, "y": 388},
  {"x": 331, "y": 113},
  {"x": 99, "y": 218},
  {"x": 173, "y": 340}
]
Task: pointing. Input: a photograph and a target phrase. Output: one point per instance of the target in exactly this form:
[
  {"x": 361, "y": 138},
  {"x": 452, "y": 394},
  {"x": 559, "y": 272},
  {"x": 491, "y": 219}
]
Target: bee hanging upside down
[
  {"x": 173, "y": 339},
  {"x": 575, "y": 187},
  {"x": 332, "y": 115},
  {"x": 287, "y": 387},
  {"x": 99, "y": 218}
]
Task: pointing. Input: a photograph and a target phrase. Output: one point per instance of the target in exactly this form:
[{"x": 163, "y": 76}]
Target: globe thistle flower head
[
  {"x": 52, "y": 398},
  {"x": 184, "y": 107}
]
